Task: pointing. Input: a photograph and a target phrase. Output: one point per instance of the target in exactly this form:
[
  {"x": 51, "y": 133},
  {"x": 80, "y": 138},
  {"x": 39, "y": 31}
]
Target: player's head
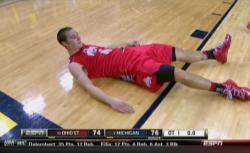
[{"x": 69, "y": 38}]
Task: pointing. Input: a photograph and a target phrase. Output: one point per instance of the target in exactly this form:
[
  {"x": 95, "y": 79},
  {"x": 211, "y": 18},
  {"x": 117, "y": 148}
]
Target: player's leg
[
  {"x": 219, "y": 53},
  {"x": 229, "y": 88},
  {"x": 194, "y": 81},
  {"x": 189, "y": 56},
  {"x": 171, "y": 73}
]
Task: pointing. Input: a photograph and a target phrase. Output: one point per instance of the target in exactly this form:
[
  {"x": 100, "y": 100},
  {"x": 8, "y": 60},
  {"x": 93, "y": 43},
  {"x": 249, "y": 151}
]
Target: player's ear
[{"x": 65, "y": 44}]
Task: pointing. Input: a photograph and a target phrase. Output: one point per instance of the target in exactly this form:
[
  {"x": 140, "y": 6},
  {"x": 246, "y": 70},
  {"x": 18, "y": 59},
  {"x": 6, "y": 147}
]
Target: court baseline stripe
[
  {"x": 165, "y": 92},
  {"x": 24, "y": 118},
  {"x": 9, "y": 2}
]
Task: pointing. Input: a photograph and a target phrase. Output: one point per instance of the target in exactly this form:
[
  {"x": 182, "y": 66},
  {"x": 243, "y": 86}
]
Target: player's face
[{"x": 73, "y": 39}]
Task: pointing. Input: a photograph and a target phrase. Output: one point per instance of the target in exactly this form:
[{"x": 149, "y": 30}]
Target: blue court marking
[
  {"x": 14, "y": 110},
  {"x": 199, "y": 34},
  {"x": 165, "y": 92}
]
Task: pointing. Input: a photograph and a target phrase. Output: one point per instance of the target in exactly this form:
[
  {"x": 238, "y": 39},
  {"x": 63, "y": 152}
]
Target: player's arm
[
  {"x": 78, "y": 73},
  {"x": 124, "y": 45}
]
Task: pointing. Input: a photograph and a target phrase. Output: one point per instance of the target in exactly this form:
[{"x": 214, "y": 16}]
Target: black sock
[
  {"x": 220, "y": 88},
  {"x": 210, "y": 54},
  {"x": 217, "y": 87}
]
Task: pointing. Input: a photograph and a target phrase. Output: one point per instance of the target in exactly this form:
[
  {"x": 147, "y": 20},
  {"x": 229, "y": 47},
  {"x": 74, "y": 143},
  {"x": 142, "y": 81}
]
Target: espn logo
[{"x": 212, "y": 143}]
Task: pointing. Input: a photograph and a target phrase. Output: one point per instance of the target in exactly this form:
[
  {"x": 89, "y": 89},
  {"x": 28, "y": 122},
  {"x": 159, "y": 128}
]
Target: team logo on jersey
[
  {"x": 105, "y": 51},
  {"x": 148, "y": 81},
  {"x": 128, "y": 78},
  {"x": 91, "y": 51}
]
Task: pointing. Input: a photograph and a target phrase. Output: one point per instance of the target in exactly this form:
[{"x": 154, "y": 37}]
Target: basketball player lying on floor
[{"x": 148, "y": 66}]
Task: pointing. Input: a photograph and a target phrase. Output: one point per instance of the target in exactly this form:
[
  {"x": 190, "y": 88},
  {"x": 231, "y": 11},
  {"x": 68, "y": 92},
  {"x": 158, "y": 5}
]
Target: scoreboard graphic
[
  {"x": 113, "y": 134},
  {"x": 116, "y": 138},
  {"x": 111, "y": 137}
]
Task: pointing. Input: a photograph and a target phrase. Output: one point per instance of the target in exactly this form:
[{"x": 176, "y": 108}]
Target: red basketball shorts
[{"x": 157, "y": 55}]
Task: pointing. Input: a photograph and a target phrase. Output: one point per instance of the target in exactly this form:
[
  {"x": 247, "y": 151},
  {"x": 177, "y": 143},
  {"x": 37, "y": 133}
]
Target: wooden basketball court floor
[{"x": 36, "y": 84}]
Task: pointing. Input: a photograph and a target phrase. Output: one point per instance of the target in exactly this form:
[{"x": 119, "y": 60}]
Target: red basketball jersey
[
  {"x": 107, "y": 62},
  {"x": 135, "y": 64}
]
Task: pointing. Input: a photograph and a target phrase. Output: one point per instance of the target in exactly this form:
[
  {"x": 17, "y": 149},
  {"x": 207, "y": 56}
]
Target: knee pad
[{"x": 165, "y": 74}]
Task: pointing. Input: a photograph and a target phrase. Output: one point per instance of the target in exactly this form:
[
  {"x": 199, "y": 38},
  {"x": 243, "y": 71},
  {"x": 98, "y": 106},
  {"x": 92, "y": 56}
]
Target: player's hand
[{"x": 121, "y": 106}]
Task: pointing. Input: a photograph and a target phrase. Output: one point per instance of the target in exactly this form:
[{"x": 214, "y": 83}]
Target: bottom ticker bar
[
  {"x": 119, "y": 143},
  {"x": 187, "y": 149},
  {"x": 98, "y": 143}
]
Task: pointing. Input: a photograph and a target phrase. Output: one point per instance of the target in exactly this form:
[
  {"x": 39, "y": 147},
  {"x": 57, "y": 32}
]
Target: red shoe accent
[
  {"x": 221, "y": 51},
  {"x": 248, "y": 26},
  {"x": 232, "y": 91}
]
